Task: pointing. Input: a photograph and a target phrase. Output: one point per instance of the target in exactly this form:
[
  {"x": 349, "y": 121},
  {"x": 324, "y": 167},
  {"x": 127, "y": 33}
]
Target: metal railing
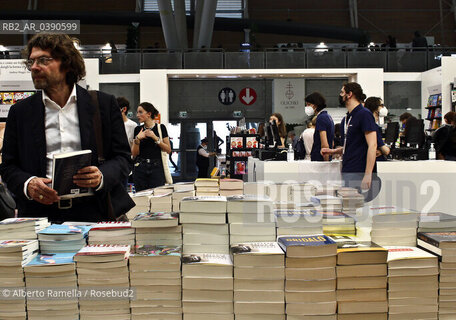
[{"x": 390, "y": 59}]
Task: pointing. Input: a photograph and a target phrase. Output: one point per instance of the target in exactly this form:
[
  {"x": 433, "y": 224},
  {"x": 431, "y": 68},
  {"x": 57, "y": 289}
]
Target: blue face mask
[{"x": 403, "y": 126}]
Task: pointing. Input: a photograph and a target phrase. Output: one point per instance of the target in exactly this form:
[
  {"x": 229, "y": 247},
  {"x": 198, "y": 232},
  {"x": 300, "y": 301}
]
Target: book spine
[{"x": 422, "y": 236}]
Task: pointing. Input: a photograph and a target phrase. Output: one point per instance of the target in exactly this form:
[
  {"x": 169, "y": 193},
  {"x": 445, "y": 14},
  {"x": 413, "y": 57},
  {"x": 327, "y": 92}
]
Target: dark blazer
[{"x": 24, "y": 153}]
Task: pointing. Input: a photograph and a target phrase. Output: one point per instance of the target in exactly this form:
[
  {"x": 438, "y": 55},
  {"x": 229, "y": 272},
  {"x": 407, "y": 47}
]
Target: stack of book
[
  {"x": 183, "y": 186},
  {"x": 142, "y": 202},
  {"x": 391, "y": 225},
  {"x": 279, "y": 192},
  {"x": 351, "y": 199},
  {"x": 255, "y": 188},
  {"x": 361, "y": 280},
  {"x": 102, "y": 268},
  {"x": 161, "y": 202},
  {"x": 231, "y": 187},
  {"x": 56, "y": 272},
  {"x": 207, "y": 187},
  {"x": 179, "y": 195},
  {"x": 22, "y": 228},
  {"x": 327, "y": 189},
  {"x": 436, "y": 222},
  {"x": 157, "y": 228},
  {"x": 207, "y": 287},
  {"x": 208, "y": 215},
  {"x": 443, "y": 244},
  {"x": 14, "y": 254},
  {"x": 310, "y": 277},
  {"x": 164, "y": 190},
  {"x": 155, "y": 276},
  {"x": 303, "y": 192},
  {"x": 251, "y": 219},
  {"x": 298, "y": 222},
  {"x": 113, "y": 233},
  {"x": 258, "y": 281},
  {"x": 412, "y": 283},
  {"x": 337, "y": 223},
  {"x": 63, "y": 238},
  {"x": 327, "y": 202}
]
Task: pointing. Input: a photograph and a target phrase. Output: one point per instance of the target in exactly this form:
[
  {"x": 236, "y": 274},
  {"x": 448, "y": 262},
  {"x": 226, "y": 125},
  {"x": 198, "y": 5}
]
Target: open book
[{"x": 64, "y": 167}]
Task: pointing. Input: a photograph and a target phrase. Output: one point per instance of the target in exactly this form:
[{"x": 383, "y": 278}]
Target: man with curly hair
[{"x": 59, "y": 119}]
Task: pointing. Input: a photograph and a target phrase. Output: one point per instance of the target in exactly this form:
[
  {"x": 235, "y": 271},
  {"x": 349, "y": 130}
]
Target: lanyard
[{"x": 347, "y": 124}]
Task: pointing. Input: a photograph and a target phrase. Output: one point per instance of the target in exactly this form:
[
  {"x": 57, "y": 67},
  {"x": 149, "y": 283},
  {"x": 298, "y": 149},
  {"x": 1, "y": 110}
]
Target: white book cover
[
  {"x": 402, "y": 253},
  {"x": 208, "y": 259},
  {"x": 257, "y": 248}
]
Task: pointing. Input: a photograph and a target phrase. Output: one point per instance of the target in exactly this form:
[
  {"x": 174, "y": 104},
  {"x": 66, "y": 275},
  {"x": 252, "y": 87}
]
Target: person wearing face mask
[
  {"x": 324, "y": 126},
  {"x": 359, "y": 133},
  {"x": 376, "y": 106},
  {"x": 277, "y": 117},
  {"x": 202, "y": 159},
  {"x": 308, "y": 137}
]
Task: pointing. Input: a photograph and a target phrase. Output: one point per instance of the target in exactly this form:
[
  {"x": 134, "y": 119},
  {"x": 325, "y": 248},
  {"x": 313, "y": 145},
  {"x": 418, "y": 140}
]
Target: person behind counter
[
  {"x": 150, "y": 140},
  {"x": 358, "y": 131},
  {"x": 324, "y": 126},
  {"x": 378, "y": 109},
  {"x": 277, "y": 117},
  {"x": 308, "y": 136},
  {"x": 445, "y": 138}
]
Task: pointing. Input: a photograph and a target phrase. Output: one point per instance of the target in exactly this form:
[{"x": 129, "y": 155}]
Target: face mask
[
  {"x": 341, "y": 101},
  {"x": 309, "y": 111},
  {"x": 383, "y": 112}
]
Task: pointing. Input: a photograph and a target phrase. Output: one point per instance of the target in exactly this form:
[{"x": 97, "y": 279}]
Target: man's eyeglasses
[{"x": 41, "y": 61}]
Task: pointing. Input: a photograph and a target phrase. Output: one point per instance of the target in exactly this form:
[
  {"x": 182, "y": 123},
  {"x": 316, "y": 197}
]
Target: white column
[
  {"x": 207, "y": 23},
  {"x": 181, "y": 23},
  {"x": 168, "y": 24}
]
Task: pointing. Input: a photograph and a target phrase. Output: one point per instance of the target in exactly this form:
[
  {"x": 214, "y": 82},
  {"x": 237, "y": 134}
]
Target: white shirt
[
  {"x": 203, "y": 152},
  {"x": 308, "y": 138},
  {"x": 130, "y": 126}
]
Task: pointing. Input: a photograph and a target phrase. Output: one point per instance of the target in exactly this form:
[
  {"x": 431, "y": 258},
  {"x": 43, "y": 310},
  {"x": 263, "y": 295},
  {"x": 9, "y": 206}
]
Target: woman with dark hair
[
  {"x": 151, "y": 140},
  {"x": 277, "y": 117},
  {"x": 324, "y": 126},
  {"x": 378, "y": 109}
]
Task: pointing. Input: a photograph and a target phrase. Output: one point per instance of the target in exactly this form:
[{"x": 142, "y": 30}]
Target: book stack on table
[
  {"x": 259, "y": 275},
  {"x": 112, "y": 233},
  {"x": 179, "y": 195},
  {"x": 361, "y": 280},
  {"x": 231, "y": 187},
  {"x": 310, "y": 277},
  {"x": 390, "y": 225},
  {"x": 161, "y": 202},
  {"x": 59, "y": 238},
  {"x": 298, "y": 222},
  {"x": 155, "y": 277},
  {"x": 251, "y": 219},
  {"x": 412, "y": 283},
  {"x": 302, "y": 192},
  {"x": 14, "y": 254},
  {"x": 436, "y": 222},
  {"x": 103, "y": 269},
  {"x": 207, "y": 214},
  {"x": 337, "y": 223},
  {"x": 207, "y": 187},
  {"x": 443, "y": 244},
  {"x": 55, "y": 272},
  {"x": 207, "y": 286},
  {"x": 22, "y": 228},
  {"x": 351, "y": 199},
  {"x": 142, "y": 201},
  {"x": 157, "y": 228}
]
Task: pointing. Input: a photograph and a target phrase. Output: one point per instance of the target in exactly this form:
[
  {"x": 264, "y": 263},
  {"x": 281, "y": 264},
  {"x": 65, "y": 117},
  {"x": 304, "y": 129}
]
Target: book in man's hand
[{"x": 64, "y": 167}]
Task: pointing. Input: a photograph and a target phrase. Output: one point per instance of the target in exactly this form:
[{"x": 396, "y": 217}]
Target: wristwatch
[
  {"x": 137, "y": 141},
  {"x": 158, "y": 141}
]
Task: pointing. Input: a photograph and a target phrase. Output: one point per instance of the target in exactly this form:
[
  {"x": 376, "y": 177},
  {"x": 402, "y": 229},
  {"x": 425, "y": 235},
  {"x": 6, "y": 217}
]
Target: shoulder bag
[{"x": 164, "y": 155}]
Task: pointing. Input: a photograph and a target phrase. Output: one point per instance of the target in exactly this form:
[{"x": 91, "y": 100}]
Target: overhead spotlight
[
  {"x": 322, "y": 47},
  {"x": 408, "y": 109},
  {"x": 3, "y": 48},
  {"x": 371, "y": 44}
]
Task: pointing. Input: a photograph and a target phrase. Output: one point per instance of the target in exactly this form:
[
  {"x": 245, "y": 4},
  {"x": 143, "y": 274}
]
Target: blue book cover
[
  {"x": 59, "y": 229},
  {"x": 304, "y": 241},
  {"x": 52, "y": 258}
]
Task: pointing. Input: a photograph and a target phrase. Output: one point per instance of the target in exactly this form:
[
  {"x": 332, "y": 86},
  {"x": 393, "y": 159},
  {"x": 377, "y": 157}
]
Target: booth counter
[{"x": 427, "y": 186}]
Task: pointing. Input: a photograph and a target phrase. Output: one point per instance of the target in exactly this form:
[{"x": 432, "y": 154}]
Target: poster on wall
[
  {"x": 8, "y": 98},
  {"x": 289, "y": 101}
]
